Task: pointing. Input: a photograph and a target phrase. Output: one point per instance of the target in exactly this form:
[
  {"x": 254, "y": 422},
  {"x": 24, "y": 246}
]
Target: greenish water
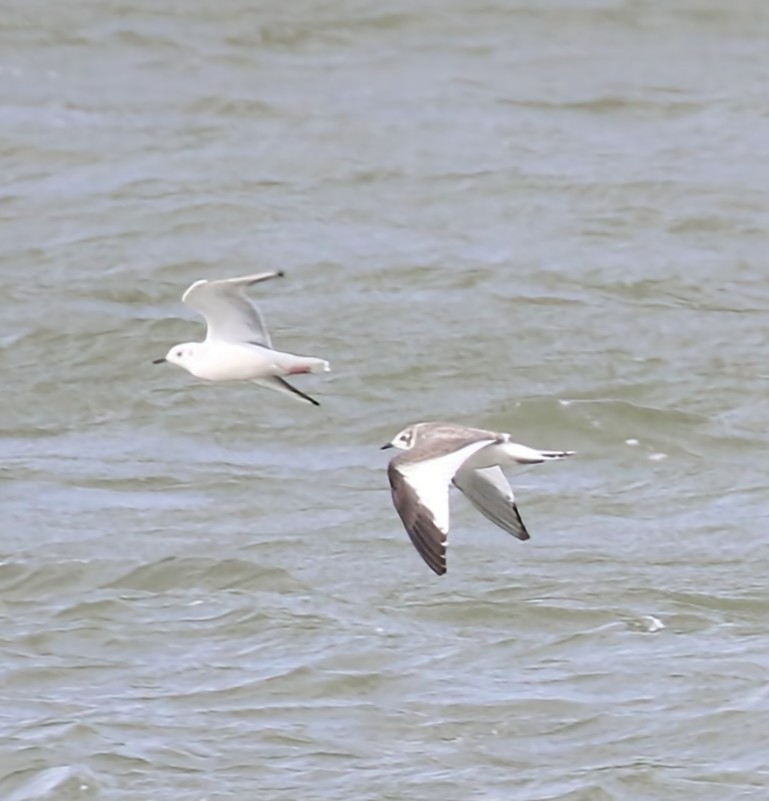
[{"x": 543, "y": 218}]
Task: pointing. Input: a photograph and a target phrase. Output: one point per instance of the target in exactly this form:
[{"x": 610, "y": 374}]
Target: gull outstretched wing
[
  {"x": 229, "y": 314},
  {"x": 489, "y": 492}
]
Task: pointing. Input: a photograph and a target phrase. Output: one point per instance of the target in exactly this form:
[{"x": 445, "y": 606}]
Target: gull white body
[
  {"x": 234, "y": 361},
  {"x": 237, "y": 346},
  {"x": 439, "y": 454}
]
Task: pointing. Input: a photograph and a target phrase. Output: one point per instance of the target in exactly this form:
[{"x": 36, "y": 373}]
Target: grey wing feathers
[
  {"x": 229, "y": 314},
  {"x": 489, "y": 492}
]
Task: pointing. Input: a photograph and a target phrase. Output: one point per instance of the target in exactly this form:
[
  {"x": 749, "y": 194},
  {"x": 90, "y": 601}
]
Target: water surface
[{"x": 544, "y": 218}]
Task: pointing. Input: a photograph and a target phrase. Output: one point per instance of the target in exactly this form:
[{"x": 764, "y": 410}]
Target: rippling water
[{"x": 547, "y": 218}]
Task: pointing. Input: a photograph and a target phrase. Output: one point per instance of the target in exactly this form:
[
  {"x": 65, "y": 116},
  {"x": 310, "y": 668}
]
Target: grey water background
[{"x": 548, "y": 218}]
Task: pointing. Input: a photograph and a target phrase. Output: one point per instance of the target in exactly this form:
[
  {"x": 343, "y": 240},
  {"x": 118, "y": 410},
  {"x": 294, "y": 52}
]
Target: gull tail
[
  {"x": 297, "y": 365},
  {"x": 548, "y": 455},
  {"x": 523, "y": 454},
  {"x": 316, "y": 365}
]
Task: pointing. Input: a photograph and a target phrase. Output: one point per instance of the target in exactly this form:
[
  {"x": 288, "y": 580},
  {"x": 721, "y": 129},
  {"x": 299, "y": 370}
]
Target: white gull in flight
[{"x": 237, "y": 346}]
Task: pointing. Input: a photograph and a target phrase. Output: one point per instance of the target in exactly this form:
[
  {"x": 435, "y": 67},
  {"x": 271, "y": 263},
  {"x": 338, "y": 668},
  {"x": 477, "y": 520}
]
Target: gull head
[
  {"x": 403, "y": 440},
  {"x": 181, "y": 355}
]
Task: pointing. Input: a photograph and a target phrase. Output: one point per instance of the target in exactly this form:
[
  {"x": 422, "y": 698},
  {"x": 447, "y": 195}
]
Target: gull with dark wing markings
[
  {"x": 237, "y": 346},
  {"x": 439, "y": 454}
]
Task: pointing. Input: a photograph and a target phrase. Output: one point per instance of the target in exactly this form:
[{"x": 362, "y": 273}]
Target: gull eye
[{"x": 179, "y": 354}]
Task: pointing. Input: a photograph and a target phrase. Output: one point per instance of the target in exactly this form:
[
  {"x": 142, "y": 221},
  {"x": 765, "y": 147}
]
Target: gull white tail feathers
[
  {"x": 523, "y": 454},
  {"x": 555, "y": 455},
  {"x": 297, "y": 365}
]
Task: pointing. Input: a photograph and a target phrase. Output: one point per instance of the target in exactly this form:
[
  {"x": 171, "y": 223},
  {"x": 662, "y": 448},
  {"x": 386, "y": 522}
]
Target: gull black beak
[
  {"x": 159, "y": 361},
  {"x": 385, "y": 447}
]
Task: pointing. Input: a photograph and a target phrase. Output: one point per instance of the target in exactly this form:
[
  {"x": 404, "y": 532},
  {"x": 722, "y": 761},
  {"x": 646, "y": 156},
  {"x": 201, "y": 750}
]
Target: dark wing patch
[
  {"x": 521, "y": 533},
  {"x": 296, "y": 391},
  {"x": 428, "y": 539},
  {"x": 517, "y": 529}
]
